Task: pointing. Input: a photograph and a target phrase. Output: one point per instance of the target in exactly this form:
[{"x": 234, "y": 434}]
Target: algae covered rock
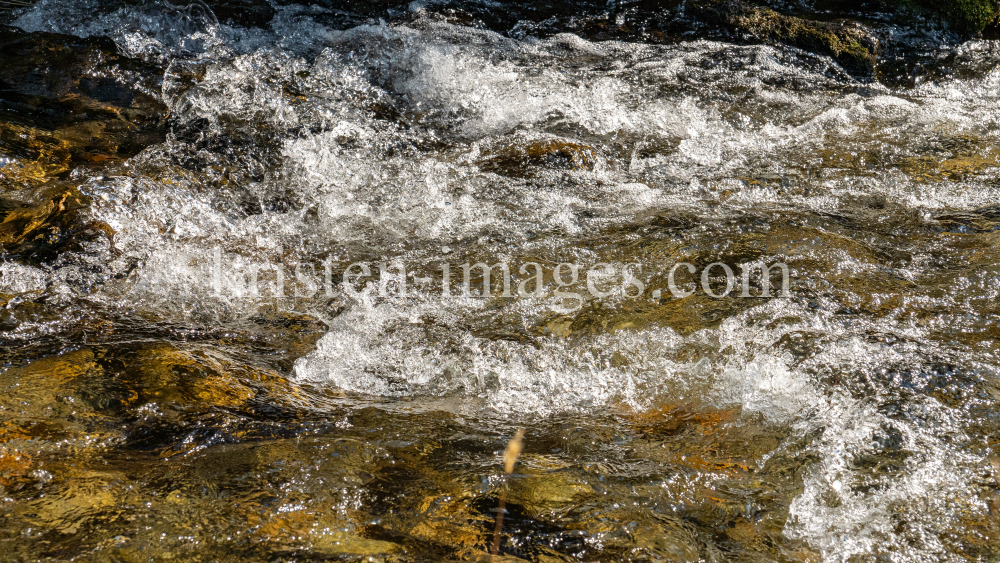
[
  {"x": 542, "y": 492},
  {"x": 850, "y": 43}
]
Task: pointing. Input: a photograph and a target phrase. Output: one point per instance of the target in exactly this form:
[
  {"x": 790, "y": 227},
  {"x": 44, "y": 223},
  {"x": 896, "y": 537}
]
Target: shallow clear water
[{"x": 153, "y": 406}]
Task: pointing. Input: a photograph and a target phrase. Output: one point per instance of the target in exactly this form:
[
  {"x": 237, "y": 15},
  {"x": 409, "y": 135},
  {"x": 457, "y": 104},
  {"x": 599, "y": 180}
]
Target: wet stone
[
  {"x": 67, "y": 101},
  {"x": 243, "y": 13},
  {"x": 547, "y": 491},
  {"x": 47, "y": 224},
  {"x": 534, "y": 157}
]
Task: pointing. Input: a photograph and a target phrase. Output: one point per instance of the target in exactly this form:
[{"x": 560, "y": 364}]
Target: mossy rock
[{"x": 850, "y": 43}]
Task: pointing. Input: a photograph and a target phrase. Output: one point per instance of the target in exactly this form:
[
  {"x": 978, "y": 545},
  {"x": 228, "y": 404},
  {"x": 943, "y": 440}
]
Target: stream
[{"x": 227, "y": 330}]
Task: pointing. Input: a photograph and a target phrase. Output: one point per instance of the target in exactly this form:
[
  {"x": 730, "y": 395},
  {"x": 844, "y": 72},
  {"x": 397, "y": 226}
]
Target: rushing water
[{"x": 154, "y": 407}]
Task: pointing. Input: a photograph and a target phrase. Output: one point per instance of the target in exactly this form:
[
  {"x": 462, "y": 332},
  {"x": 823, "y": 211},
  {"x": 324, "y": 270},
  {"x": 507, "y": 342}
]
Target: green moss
[
  {"x": 849, "y": 43},
  {"x": 967, "y": 16}
]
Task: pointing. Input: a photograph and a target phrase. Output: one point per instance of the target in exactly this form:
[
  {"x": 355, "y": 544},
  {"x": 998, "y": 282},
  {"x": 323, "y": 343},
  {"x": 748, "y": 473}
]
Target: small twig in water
[{"x": 509, "y": 458}]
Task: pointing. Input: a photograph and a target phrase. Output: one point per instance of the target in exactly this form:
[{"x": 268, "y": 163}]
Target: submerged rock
[
  {"x": 66, "y": 102},
  {"x": 547, "y": 491},
  {"x": 14, "y": 464}
]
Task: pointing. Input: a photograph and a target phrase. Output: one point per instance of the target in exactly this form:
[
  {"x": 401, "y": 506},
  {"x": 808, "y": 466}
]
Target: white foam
[{"x": 18, "y": 278}]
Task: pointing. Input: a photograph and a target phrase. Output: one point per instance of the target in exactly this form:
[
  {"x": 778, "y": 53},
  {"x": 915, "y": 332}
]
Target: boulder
[{"x": 66, "y": 101}]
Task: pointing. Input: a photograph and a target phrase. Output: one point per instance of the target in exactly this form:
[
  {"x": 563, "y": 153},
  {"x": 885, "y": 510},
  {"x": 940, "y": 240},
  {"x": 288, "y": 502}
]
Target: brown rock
[
  {"x": 66, "y": 101},
  {"x": 556, "y": 153},
  {"x": 37, "y": 230}
]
